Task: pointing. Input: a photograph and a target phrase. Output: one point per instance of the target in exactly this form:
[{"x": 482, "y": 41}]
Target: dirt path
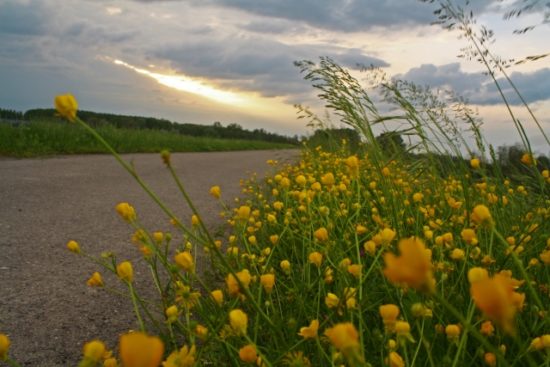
[{"x": 45, "y": 306}]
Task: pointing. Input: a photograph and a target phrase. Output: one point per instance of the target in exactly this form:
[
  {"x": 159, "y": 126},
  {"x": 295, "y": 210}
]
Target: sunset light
[{"x": 186, "y": 84}]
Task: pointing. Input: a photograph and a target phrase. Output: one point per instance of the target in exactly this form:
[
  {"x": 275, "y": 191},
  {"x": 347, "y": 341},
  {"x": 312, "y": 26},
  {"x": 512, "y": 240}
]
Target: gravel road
[{"x": 45, "y": 307}]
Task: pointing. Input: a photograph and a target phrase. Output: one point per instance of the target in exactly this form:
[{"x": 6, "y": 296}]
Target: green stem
[{"x": 136, "y": 308}]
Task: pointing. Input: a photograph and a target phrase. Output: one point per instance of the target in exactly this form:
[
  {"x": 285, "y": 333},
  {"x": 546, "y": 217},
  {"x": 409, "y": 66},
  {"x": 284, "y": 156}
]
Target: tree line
[{"x": 95, "y": 119}]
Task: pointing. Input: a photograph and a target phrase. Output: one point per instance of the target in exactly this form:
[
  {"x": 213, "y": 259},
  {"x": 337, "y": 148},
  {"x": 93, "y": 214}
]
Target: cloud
[
  {"x": 478, "y": 87},
  {"x": 256, "y": 64},
  {"x": 22, "y": 19},
  {"x": 337, "y": 15}
]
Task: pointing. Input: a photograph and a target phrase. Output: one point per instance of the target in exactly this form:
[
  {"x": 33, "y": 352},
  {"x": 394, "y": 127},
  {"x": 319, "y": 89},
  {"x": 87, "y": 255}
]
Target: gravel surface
[{"x": 45, "y": 306}]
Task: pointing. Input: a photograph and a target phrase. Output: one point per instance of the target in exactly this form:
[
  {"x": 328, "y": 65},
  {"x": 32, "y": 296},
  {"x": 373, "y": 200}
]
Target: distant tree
[{"x": 391, "y": 143}]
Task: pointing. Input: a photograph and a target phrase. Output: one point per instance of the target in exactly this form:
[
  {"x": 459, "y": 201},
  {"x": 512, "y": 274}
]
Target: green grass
[{"x": 50, "y": 138}]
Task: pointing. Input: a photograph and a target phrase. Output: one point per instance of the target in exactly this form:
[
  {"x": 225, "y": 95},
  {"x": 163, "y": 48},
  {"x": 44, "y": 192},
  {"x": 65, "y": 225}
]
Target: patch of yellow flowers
[{"x": 333, "y": 261}]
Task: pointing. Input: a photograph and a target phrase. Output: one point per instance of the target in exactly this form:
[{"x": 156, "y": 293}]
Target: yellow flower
[
  {"x": 402, "y": 328},
  {"x": 321, "y": 234},
  {"x": 332, "y": 300},
  {"x": 352, "y": 163},
  {"x": 389, "y": 314},
  {"x": 232, "y": 284},
  {"x": 458, "y": 254},
  {"x": 452, "y": 331},
  {"x": 285, "y": 266},
  {"x": 316, "y": 258},
  {"x": 417, "y": 197},
  {"x": 95, "y": 280},
  {"x": 327, "y": 179},
  {"x": 355, "y": 270},
  {"x": 476, "y": 274},
  {"x": 527, "y": 159},
  {"x": 140, "y": 350},
  {"x": 413, "y": 267},
  {"x": 110, "y": 362},
  {"x": 267, "y": 281},
  {"x": 126, "y": 211},
  {"x": 184, "y": 358},
  {"x": 238, "y": 321},
  {"x": 195, "y": 220},
  {"x": 185, "y": 261},
  {"x": 93, "y": 351},
  {"x": 545, "y": 257},
  {"x": 469, "y": 236},
  {"x": 301, "y": 180},
  {"x": 481, "y": 214},
  {"x": 248, "y": 353},
  {"x": 4, "y": 347},
  {"x": 497, "y": 298},
  {"x": 474, "y": 163},
  {"x": 201, "y": 331},
  {"x": 171, "y": 314},
  {"x": 309, "y": 332},
  {"x": 125, "y": 271},
  {"x": 243, "y": 212},
  {"x": 490, "y": 359},
  {"x": 344, "y": 337},
  {"x": 73, "y": 246},
  {"x": 216, "y": 192},
  {"x": 66, "y": 106},
  {"x": 158, "y": 236},
  {"x": 395, "y": 360},
  {"x": 217, "y": 295},
  {"x": 387, "y": 235},
  {"x": 487, "y": 328},
  {"x": 273, "y": 239}
]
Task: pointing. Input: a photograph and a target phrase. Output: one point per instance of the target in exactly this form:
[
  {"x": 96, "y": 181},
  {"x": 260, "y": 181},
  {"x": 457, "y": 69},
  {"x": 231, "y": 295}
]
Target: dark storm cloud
[
  {"x": 338, "y": 15},
  {"x": 479, "y": 88}
]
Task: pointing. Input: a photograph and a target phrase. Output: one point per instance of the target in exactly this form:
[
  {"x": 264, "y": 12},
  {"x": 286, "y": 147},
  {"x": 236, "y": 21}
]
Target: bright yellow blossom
[
  {"x": 232, "y": 284},
  {"x": 344, "y": 337},
  {"x": 481, "y": 214},
  {"x": 497, "y": 298},
  {"x": 217, "y": 295},
  {"x": 310, "y": 332},
  {"x": 238, "y": 320},
  {"x": 125, "y": 271},
  {"x": 66, "y": 106},
  {"x": 389, "y": 314},
  {"x": 321, "y": 234},
  {"x": 185, "y": 261},
  {"x": 171, "y": 314},
  {"x": 395, "y": 360},
  {"x": 248, "y": 353},
  {"x": 185, "y": 357},
  {"x": 93, "y": 351},
  {"x": 73, "y": 246},
  {"x": 216, "y": 191},
  {"x": 4, "y": 347},
  {"x": 267, "y": 281},
  {"x": 95, "y": 280},
  {"x": 126, "y": 211},
  {"x": 413, "y": 267},
  {"x": 316, "y": 258},
  {"x": 140, "y": 350}
]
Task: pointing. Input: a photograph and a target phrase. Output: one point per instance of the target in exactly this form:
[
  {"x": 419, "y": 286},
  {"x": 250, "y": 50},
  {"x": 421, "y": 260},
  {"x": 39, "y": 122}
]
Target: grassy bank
[{"x": 48, "y": 138}]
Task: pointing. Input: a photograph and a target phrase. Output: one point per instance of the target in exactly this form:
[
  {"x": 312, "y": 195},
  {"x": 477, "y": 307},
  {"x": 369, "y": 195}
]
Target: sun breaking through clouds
[{"x": 186, "y": 84}]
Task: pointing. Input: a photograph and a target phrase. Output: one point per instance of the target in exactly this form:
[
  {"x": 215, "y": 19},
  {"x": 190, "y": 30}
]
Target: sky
[{"x": 201, "y": 61}]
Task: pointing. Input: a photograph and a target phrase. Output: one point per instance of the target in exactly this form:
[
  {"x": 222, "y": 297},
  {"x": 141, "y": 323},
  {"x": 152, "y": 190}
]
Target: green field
[{"x": 48, "y": 138}]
